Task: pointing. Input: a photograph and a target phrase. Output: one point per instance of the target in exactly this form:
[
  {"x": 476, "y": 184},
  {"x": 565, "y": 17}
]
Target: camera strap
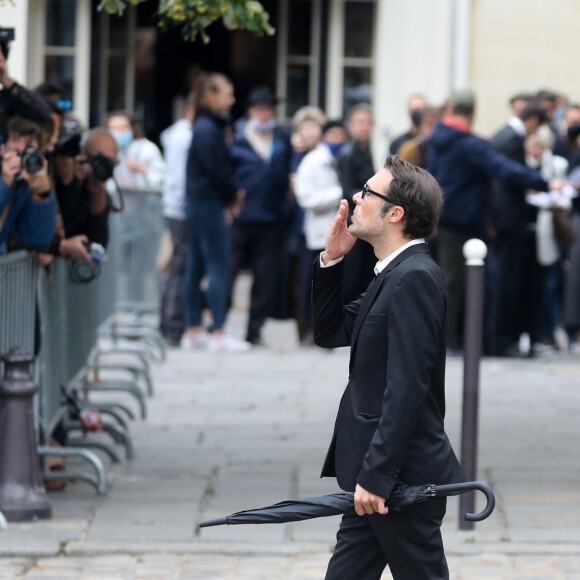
[
  {"x": 117, "y": 208},
  {"x": 4, "y": 214}
]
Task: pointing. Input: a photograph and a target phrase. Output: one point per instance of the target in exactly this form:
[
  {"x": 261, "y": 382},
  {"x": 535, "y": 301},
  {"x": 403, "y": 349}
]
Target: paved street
[{"x": 231, "y": 432}]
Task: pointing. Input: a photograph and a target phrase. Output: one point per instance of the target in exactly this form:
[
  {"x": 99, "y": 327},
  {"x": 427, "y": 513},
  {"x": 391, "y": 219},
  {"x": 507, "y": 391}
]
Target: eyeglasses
[{"x": 367, "y": 191}]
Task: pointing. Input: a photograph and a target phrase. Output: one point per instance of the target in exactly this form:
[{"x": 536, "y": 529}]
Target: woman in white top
[{"x": 141, "y": 165}]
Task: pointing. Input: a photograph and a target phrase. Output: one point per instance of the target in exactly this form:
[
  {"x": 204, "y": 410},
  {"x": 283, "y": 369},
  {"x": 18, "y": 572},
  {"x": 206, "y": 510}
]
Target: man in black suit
[
  {"x": 516, "y": 306},
  {"x": 390, "y": 421}
]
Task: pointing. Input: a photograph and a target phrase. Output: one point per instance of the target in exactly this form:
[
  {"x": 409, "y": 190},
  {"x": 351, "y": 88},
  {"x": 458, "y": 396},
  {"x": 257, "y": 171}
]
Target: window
[
  {"x": 299, "y": 52},
  {"x": 60, "y": 49},
  {"x": 350, "y": 55},
  {"x": 359, "y": 17}
]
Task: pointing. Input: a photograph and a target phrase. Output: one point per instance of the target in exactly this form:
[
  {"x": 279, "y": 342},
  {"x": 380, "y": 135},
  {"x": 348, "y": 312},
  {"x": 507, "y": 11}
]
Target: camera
[
  {"x": 102, "y": 166},
  {"x": 97, "y": 252},
  {"x": 32, "y": 159},
  {"x": 68, "y": 145}
]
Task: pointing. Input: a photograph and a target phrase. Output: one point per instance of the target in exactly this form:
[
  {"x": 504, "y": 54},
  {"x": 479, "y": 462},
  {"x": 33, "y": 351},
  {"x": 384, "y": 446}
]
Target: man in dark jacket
[
  {"x": 262, "y": 154},
  {"x": 390, "y": 423},
  {"x": 464, "y": 165},
  {"x": 212, "y": 199},
  {"x": 82, "y": 195},
  {"x": 16, "y": 100},
  {"x": 515, "y": 244},
  {"x": 415, "y": 104}
]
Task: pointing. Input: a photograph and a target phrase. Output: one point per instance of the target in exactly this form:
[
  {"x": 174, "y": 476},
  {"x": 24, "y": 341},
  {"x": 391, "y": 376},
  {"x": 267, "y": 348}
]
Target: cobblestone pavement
[
  {"x": 226, "y": 433},
  {"x": 298, "y": 567}
]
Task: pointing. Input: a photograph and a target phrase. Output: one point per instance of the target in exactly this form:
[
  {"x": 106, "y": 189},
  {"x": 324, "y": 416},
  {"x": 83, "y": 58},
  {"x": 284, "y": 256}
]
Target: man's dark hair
[
  {"x": 207, "y": 83},
  {"x": 18, "y": 127},
  {"x": 533, "y": 110},
  {"x": 356, "y": 108},
  {"x": 418, "y": 193},
  {"x": 50, "y": 88},
  {"x": 546, "y": 95},
  {"x": 464, "y": 110}
]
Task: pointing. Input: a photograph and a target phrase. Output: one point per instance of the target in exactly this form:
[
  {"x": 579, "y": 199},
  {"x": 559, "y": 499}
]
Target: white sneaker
[
  {"x": 227, "y": 343},
  {"x": 194, "y": 341}
]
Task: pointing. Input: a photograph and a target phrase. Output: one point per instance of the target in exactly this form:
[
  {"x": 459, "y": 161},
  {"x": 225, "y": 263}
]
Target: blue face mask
[
  {"x": 265, "y": 126},
  {"x": 123, "y": 138},
  {"x": 334, "y": 147}
]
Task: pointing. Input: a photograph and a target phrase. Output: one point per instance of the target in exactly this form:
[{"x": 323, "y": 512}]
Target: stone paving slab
[
  {"x": 159, "y": 566},
  {"x": 226, "y": 433}
]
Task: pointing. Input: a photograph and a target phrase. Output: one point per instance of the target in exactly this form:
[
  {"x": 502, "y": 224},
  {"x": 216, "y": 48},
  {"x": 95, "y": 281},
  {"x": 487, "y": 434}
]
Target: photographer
[
  {"x": 15, "y": 100},
  {"x": 27, "y": 203},
  {"x": 80, "y": 183}
]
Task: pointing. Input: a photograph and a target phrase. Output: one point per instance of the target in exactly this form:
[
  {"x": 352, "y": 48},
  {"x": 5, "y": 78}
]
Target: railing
[
  {"x": 17, "y": 300},
  {"x": 137, "y": 232},
  {"x": 45, "y": 309}
]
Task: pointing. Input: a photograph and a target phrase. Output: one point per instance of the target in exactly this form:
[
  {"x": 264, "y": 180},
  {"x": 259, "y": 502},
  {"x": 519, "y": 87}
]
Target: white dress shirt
[{"x": 381, "y": 264}]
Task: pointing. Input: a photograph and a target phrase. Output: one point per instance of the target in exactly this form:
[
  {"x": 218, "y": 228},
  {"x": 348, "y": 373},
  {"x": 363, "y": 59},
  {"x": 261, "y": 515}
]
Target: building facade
[{"x": 330, "y": 53}]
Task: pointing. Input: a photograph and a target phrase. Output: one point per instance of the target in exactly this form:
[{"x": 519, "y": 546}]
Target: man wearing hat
[
  {"x": 464, "y": 165},
  {"x": 262, "y": 152}
]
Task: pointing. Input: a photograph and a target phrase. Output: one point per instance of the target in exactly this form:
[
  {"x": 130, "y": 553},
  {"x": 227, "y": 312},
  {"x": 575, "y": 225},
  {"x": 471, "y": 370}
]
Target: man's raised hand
[{"x": 339, "y": 241}]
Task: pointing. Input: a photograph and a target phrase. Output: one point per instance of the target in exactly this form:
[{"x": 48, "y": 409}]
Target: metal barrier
[
  {"x": 17, "y": 301},
  {"x": 73, "y": 316},
  {"x": 135, "y": 236},
  {"x": 70, "y": 315}
]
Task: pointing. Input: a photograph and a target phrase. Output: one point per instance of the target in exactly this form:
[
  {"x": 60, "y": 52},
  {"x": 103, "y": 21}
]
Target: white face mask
[
  {"x": 264, "y": 126},
  {"x": 123, "y": 138}
]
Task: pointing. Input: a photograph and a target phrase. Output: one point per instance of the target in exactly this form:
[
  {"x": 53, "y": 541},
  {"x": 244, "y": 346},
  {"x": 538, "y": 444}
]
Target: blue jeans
[{"x": 209, "y": 253}]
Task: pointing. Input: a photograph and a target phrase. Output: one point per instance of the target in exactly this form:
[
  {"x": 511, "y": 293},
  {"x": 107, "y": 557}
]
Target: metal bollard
[
  {"x": 22, "y": 496},
  {"x": 475, "y": 252}
]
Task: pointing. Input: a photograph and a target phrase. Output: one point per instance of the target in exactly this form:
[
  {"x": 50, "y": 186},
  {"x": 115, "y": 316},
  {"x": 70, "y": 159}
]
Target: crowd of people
[{"x": 257, "y": 195}]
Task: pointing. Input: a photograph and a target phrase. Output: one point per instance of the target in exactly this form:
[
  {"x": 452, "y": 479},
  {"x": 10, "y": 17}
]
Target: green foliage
[{"x": 194, "y": 16}]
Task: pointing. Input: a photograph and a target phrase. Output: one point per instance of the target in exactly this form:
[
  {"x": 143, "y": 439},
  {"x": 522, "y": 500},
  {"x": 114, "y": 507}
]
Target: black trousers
[
  {"x": 259, "y": 246},
  {"x": 519, "y": 291},
  {"x": 172, "y": 310},
  {"x": 408, "y": 541},
  {"x": 450, "y": 257}
]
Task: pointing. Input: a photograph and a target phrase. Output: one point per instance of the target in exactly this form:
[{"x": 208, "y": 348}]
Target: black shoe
[
  {"x": 511, "y": 351},
  {"x": 255, "y": 340}
]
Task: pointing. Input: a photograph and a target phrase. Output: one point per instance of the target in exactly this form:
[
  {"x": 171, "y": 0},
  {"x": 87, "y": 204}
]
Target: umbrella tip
[{"x": 210, "y": 523}]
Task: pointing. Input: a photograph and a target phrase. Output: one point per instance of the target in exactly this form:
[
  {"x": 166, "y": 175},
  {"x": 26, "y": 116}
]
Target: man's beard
[{"x": 356, "y": 232}]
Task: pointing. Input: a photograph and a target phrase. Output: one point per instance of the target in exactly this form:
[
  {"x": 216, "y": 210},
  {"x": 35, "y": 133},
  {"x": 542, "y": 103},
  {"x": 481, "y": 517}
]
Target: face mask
[
  {"x": 265, "y": 126},
  {"x": 574, "y": 132},
  {"x": 334, "y": 147},
  {"x": 123, "y": 138}
]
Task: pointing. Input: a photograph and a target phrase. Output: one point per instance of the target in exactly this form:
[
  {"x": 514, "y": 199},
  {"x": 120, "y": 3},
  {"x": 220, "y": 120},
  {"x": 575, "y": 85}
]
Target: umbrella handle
[{"x": 458, "y": 488}]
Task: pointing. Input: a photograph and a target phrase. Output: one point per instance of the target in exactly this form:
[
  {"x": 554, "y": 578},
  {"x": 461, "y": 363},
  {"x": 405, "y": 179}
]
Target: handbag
[
  {"x": 164, "y": 253},
  {"x": 564, "y": 233}
]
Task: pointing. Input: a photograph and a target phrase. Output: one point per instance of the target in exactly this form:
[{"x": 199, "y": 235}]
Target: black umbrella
[{"x": 340, "y": 503}]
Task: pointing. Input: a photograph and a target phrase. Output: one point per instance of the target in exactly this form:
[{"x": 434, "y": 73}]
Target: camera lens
[
  {"x": 32, "y": 160},
  {"x": 102, "y": 166}
]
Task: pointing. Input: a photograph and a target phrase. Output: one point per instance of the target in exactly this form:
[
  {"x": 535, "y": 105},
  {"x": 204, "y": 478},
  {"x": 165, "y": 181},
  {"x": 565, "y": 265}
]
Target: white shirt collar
[
  {"x": 518, "y": 126},
  {"x": 380, "y": 266}
]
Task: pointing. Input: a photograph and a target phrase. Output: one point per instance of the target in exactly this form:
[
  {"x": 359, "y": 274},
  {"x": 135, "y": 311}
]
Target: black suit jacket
[
  {"x": 390, "y": 421},
  {"x": 512, "y": 212}
]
